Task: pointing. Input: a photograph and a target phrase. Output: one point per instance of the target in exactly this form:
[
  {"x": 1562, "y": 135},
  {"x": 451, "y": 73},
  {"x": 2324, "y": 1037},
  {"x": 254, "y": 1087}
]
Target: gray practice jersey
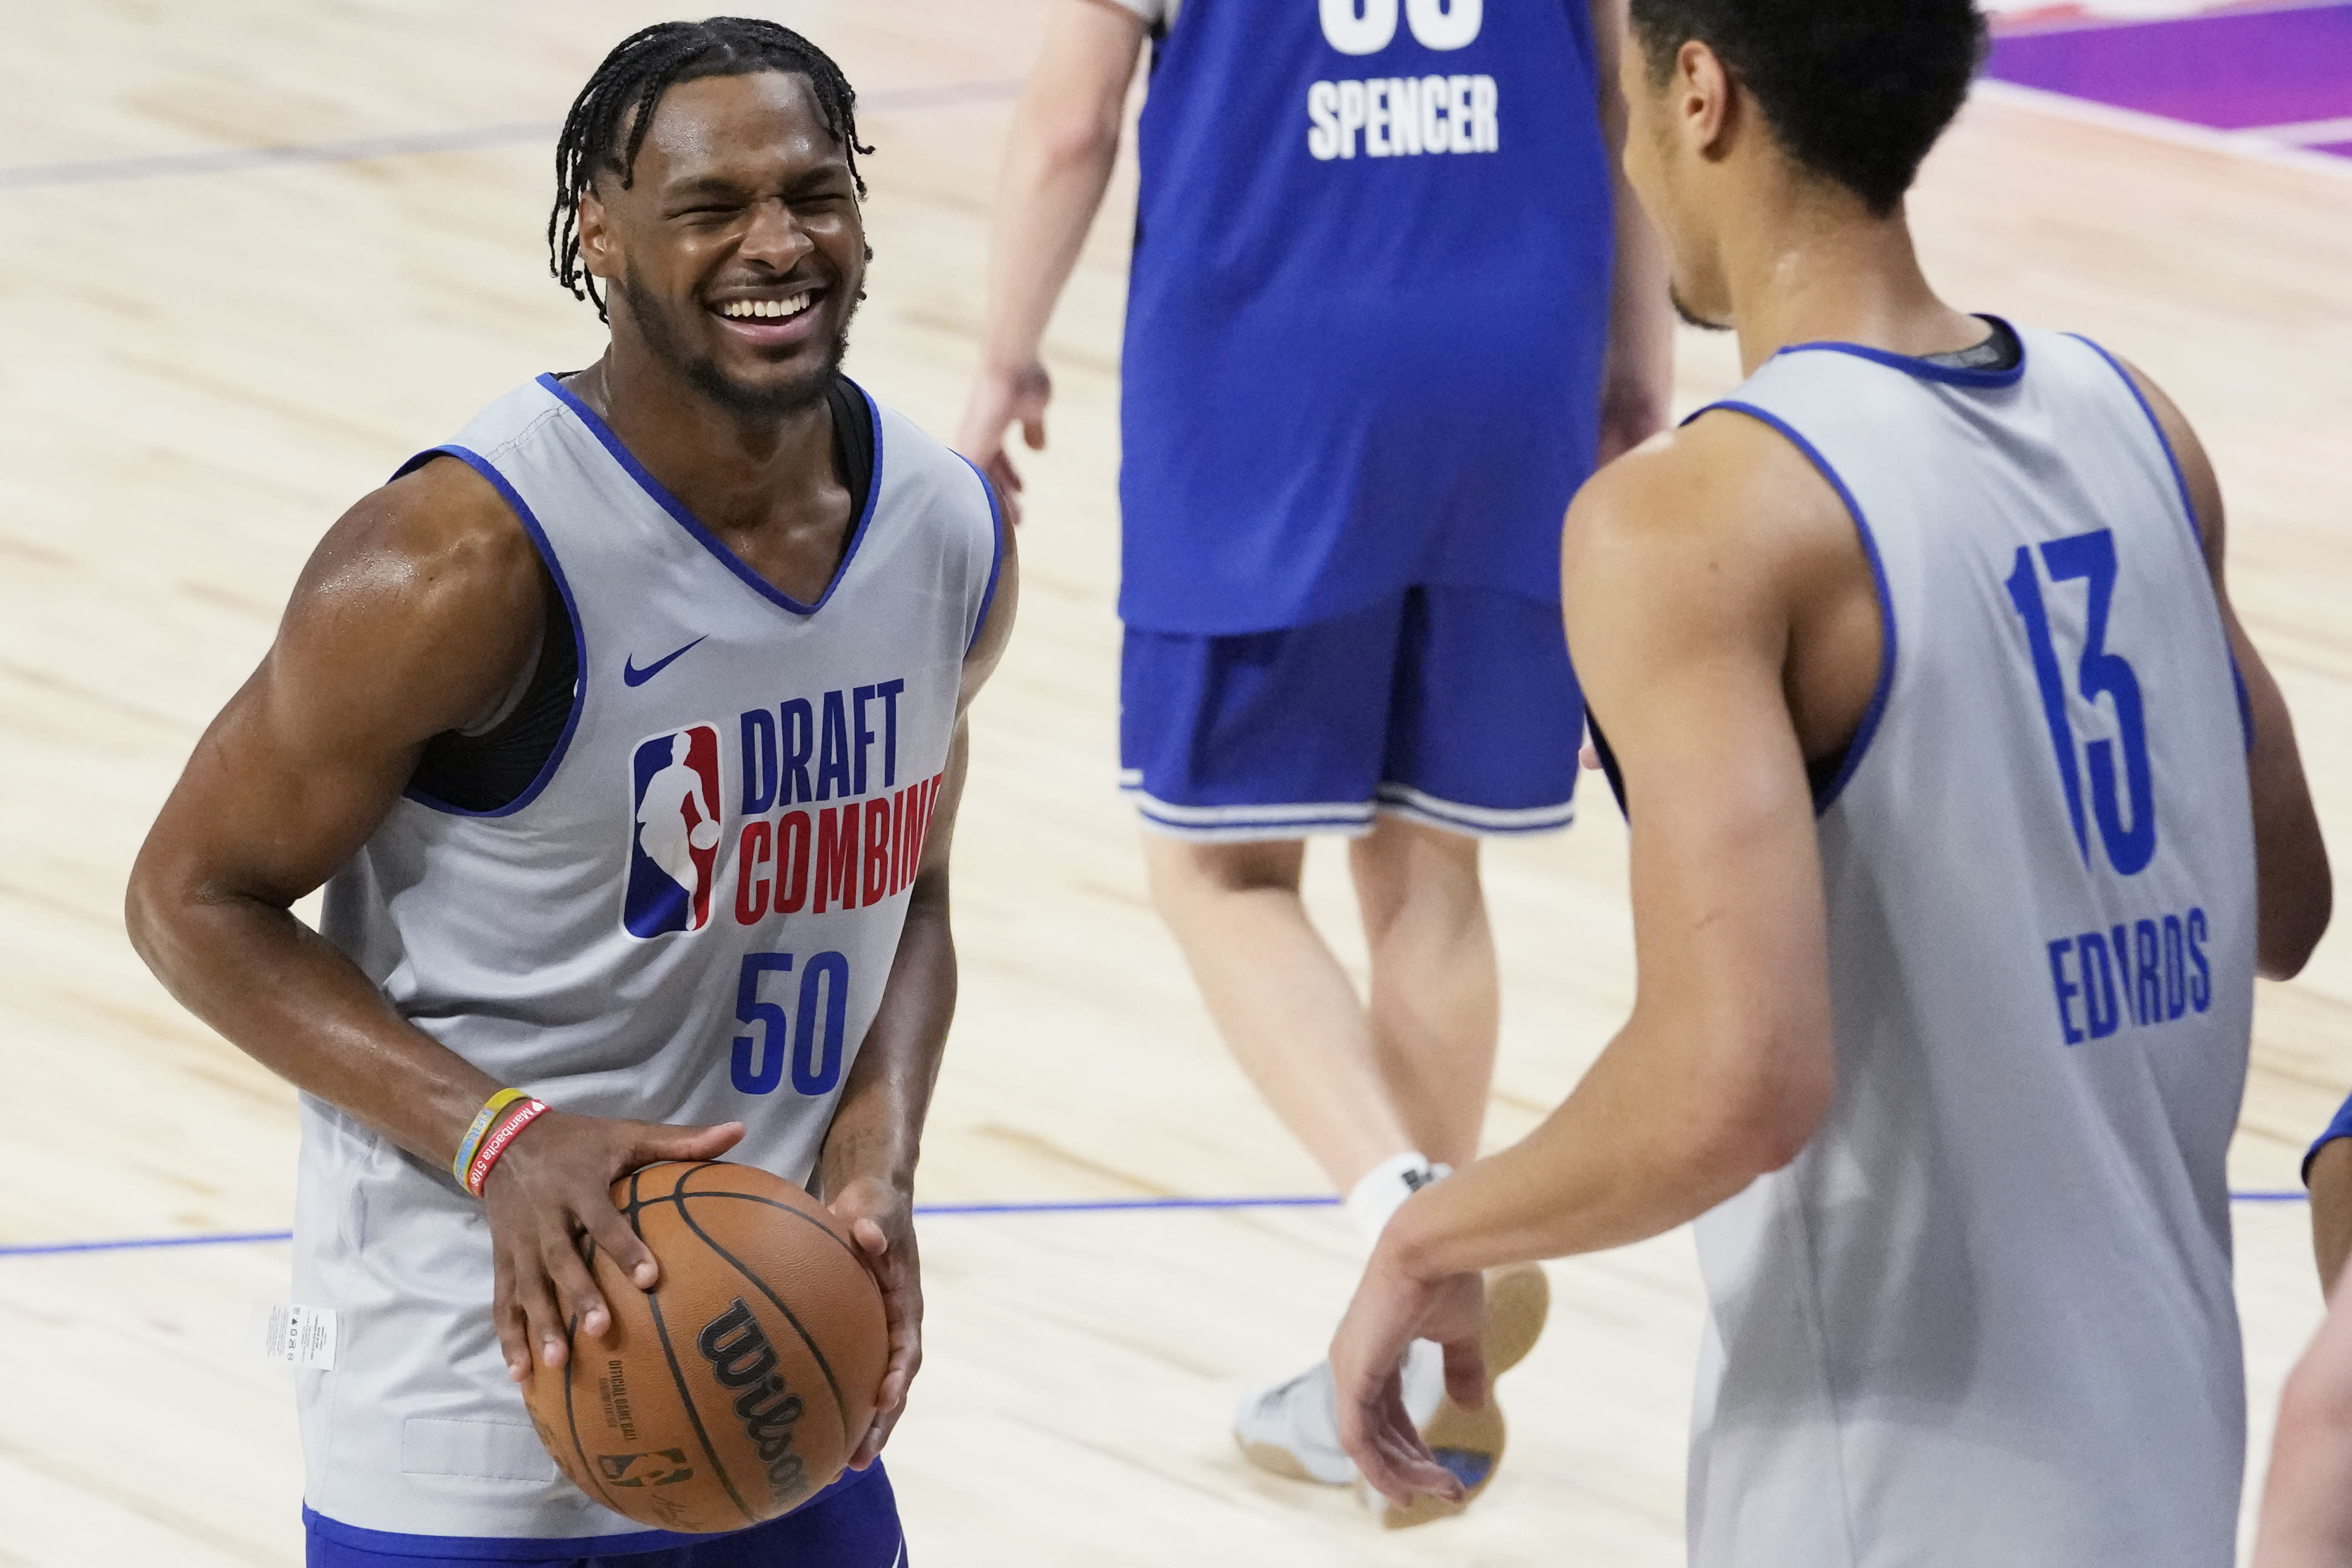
[
  {"x": 688, "y": 917},
  {"x": 1986, "y": 1316}
]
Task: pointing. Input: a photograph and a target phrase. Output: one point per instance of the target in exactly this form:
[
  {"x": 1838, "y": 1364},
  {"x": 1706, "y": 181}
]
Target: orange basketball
[{"x": 736, "y": 1389}]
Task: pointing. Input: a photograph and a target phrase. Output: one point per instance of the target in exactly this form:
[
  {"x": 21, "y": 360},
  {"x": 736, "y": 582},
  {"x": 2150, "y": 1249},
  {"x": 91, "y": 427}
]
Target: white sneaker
[{"x": 1293, "y": 1428}]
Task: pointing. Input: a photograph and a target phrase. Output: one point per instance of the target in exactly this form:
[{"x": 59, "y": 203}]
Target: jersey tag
[{"x": 294, "y": 1335}]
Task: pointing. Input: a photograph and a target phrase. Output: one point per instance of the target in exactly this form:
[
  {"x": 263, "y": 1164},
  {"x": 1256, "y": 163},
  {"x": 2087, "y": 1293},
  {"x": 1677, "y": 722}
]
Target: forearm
[
  {"x": 878, "y": 1126},
  {"x": 293, "y": 1001},
  {"x": 1632, "y": 1152},
  {"x": 1056, "y": 167},
  {"x": 1638, "y": 376},
  {"x": 2306, "y": 1519}
]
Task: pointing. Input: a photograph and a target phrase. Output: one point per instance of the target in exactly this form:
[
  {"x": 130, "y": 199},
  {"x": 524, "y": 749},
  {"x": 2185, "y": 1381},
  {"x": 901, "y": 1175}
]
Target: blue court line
[
  {"x": 1072, "y": 1205},
  {"x": 471, "y": 138}
]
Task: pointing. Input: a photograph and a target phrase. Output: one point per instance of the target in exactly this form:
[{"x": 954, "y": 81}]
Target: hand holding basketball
[
  {"x": 552, "y": 1189},
  {"x": 880, "y": 1218}
]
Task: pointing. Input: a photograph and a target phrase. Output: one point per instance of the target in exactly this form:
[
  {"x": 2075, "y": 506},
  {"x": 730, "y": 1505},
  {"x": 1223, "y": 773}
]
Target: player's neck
[
  {"x": 727, "y": 469},
  {"x": 1818, "y": 276}
]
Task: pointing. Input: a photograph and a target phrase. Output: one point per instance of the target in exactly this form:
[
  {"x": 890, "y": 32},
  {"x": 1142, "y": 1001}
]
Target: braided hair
[{"x": 626, "y": 89}]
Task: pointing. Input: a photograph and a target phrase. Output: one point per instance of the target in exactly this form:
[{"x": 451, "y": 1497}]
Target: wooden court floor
[{"x": 205, "y": 355}]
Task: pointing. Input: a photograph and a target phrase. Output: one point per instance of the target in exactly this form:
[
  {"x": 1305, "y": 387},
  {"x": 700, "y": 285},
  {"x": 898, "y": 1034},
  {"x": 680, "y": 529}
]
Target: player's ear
[
  {"x": 598, "y": 252},
  {"x": 1701, "y": 92}
]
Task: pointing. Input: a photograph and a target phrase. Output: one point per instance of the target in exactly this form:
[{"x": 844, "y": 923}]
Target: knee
[
  {"x": 1405, "y": 869},
  {"x": 1185, "y": 874}
]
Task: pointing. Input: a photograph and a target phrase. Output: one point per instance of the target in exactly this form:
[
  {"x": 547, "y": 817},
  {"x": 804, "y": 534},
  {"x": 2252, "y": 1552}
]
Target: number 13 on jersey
[{"x": 2091, "y": 558}]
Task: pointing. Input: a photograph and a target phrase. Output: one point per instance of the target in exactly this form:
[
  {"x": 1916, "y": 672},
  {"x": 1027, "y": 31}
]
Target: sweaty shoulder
[{"x": 425, "y": 597}]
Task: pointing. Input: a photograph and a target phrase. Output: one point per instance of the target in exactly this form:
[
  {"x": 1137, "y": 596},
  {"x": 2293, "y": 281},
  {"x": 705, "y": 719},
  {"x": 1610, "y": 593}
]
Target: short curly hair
[{"x": 1855, "y": 90}]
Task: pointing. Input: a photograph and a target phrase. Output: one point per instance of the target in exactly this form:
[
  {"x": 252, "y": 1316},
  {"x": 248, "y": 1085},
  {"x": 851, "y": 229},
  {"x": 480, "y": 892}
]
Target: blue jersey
[{"x": 1369, "y": 306}]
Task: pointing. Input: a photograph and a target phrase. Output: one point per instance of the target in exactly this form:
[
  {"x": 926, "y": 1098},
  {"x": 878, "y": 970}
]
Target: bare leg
[
  {"x": 1280, "y": 998},
  {"x": 1435, "y": 1006}
]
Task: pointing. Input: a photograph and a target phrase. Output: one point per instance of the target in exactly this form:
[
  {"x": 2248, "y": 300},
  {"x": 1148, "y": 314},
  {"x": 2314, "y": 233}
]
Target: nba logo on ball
[{"x": 674, "y": 839}]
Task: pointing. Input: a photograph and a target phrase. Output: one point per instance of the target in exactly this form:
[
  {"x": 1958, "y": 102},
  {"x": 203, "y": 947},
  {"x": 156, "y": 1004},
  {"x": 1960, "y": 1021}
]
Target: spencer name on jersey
[{"x": 1402, "y": 117}]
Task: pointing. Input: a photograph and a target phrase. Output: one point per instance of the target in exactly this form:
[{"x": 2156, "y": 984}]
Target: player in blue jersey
[
  {"x": 1964, "y": 813},
  {"x": 1386, "y": 313},
  {"x": 504, "y": 723}
]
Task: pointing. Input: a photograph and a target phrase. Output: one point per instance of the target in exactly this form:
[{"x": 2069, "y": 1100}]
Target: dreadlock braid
[{"x": 628, "y": 87}]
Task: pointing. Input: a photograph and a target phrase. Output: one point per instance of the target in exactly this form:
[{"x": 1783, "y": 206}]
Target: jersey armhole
[
  {"x": 539, "y": 542},
  {"x": 2163, "y": 441},
  {"x": 1826, "y": 796},
  {"x": 997, "y": 526}
]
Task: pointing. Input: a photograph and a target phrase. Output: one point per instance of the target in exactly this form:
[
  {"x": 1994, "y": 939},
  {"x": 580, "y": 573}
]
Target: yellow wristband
[{"x": 482, "y": 1119}]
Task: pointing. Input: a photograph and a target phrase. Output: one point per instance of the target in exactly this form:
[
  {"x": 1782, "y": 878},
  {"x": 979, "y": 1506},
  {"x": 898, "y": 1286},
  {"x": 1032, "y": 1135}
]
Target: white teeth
[{"x": 765, "y": 309}]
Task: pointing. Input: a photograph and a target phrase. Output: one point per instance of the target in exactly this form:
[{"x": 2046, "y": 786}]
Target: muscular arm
[
  {"x": 1057, "y": 162},
  {"x": 1679, "y": 585},
  {"x": 1638, "y": 377},
  {"x": 867, "y": 1170},
  {"x": 1681, "y": 627},
  {"x": 2294, "y": 891},
  {"x": 415, "y": 614}
]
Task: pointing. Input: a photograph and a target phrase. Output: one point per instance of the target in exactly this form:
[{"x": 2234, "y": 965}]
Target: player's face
[
  {"x": 1659, "y": 133},
  {"x": 737, "y": 251}
]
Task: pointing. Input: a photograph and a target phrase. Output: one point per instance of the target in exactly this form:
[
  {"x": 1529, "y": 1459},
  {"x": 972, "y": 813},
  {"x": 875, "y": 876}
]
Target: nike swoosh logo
[{"x": 632, "y": 676}]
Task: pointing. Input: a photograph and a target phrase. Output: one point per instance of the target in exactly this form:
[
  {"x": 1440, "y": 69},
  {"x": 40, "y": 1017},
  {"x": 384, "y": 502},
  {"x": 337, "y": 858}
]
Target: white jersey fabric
[
  {"x": 1985, "y": 1317},
  {"x": 688, "y": 917}
]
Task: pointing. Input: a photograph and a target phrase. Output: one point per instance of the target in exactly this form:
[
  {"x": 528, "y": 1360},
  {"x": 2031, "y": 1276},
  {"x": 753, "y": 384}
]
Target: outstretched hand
[
  {"x": 551, "y": 1191},
  {"x": 1390, "y": 1311},
  {"x": 1000, "y": 398},
  {"x": 881, "y": 1220}
]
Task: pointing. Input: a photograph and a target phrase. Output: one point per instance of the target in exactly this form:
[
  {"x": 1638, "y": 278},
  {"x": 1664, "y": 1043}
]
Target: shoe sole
[{"x": 1470, "y": 1442}]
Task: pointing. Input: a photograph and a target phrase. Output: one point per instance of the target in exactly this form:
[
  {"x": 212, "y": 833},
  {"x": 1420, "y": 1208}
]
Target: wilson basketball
[{"x": 736, "y": 1388}]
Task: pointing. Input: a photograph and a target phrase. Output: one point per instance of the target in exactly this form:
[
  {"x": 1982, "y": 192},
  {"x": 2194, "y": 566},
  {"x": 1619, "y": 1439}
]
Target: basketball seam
[
  {"x": 840, "y": 1405},
  {"x": 677, "y": 1376},
  {"x": 571, "y": 1416}
]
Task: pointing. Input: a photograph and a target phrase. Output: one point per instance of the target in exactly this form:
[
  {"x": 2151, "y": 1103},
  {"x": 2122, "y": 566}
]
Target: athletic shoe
[
  {"x": 1293, "y": 1428},
  {"x": 1469, "y": 1442}
]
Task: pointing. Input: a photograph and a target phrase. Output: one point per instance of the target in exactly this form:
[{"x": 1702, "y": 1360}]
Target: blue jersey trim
[
  {"x": 539, "y": 539},
  {"x": 1925, "y": 370},
  {"x": 703, "y": 536},
  {"x": 535, "y": 1548},
  {"x": 2179, "y": 475},
  {"x": 2339, "y": 1128},
  {"x": 996, "y": 565},
  {"x": 1868, "y": 729}
]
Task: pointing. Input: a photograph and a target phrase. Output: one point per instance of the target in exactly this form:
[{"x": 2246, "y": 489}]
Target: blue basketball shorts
[
  {"x": 1451, "y": 707},
  {"x": 853, "y": 1523}
]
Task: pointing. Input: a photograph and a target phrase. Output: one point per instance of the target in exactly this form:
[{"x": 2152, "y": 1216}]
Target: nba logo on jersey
[{"x": 674, "y": 853}]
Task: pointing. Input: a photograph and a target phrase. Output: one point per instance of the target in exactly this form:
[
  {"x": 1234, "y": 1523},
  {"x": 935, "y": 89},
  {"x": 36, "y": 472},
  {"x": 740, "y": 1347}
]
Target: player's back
[
  {"x": 1369, "y": 306},
  {"x": 1986, "y": 1316}
]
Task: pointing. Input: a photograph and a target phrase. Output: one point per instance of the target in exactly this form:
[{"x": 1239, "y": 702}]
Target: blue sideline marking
[
  {"x": 1072, "y": 1205},
  {"x": 472, "y": 139}
]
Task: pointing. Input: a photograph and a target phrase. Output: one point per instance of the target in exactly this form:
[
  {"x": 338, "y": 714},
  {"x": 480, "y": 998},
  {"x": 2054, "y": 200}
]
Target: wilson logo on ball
[{"x": 741, "y": 1358}]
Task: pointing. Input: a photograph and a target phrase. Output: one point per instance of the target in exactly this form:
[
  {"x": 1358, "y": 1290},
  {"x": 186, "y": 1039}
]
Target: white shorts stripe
[{"x": 1405, "y": 801}]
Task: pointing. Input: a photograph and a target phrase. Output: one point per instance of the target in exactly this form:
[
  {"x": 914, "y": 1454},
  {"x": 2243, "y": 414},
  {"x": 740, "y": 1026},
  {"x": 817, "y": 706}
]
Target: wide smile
[{"x": 773, "y": 319}]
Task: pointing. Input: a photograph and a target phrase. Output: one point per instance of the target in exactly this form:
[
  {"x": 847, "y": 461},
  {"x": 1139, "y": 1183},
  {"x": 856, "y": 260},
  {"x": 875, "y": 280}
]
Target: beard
[
  {"x": 1691, "y": 318},
  {"x": 758, "y": 402}
]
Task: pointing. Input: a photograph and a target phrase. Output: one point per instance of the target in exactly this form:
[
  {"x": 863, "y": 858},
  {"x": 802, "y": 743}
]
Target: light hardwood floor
[{"x": 201, "y": 368}]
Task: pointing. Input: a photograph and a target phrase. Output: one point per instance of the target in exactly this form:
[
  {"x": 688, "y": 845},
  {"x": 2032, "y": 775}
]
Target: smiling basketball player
[{"x": 614, "y": 728}]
